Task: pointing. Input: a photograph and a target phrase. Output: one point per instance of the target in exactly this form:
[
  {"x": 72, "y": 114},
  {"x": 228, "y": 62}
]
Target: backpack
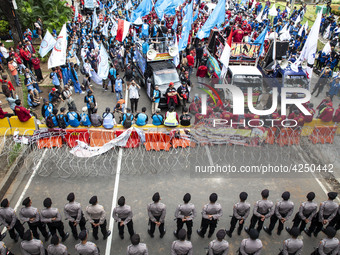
[
  {"x": 61, "y": 121},
  {"x": 128, "y": 121},
  {"x": 49, "y": 121}
]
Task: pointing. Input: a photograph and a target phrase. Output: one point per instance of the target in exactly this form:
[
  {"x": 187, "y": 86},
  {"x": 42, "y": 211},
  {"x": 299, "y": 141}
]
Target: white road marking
[
  {"x": 114, "y": 201},
  {"x": 27, "y": 186}
]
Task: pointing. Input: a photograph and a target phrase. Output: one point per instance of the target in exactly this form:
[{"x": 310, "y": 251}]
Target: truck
[{"x": 155, "y": 69}]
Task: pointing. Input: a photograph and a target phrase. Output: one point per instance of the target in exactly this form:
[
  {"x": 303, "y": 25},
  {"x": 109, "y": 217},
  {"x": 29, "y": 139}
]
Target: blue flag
[
  {"x": 260, "y": 39},
  {"x": 101, "y": 6},
  {"x": 144, "y": 8},
  {"x": 167, "y": 7},
  {"x": 216, "y": 18},
  {"x": 174, "y": 26},
  {"x": 186, "y": 28},
  {"x": 196, "y": 14}
]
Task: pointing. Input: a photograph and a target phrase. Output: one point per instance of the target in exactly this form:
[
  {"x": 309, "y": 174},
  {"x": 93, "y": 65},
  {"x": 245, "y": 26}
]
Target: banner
[
  {"x": 47, "y": 44},
  {"x": 82, "y": 150},
  {"x": 89, "y": 4},
  {"x": 58, "y": 55},
  {"x": 103, "y": 63}
]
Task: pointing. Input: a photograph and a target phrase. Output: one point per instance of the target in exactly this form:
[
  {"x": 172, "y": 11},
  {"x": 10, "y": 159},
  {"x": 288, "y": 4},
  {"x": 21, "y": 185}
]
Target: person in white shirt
[{"x": 134, "y": 95}]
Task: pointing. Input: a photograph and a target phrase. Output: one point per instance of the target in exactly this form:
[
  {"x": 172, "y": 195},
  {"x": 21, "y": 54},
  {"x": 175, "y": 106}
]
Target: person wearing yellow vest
[{"x": 171, "y": 118}]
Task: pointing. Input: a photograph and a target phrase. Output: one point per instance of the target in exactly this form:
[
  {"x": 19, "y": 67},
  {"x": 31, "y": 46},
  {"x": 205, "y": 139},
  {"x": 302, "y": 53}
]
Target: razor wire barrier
[{"x": 166, "y": 151}]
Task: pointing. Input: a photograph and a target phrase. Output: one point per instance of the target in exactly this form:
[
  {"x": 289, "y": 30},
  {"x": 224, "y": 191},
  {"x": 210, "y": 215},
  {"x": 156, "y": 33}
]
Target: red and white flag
[
  {"x": 123, "y": 29},
  {"x": 226, "y": 53}
]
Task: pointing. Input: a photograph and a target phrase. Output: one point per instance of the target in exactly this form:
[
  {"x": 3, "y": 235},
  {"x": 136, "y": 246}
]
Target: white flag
[
  {"x": 103, "y": 63},
  {"x": 298, "y": 19},
  {"x": 284, "y": 29},
  {"x": 128, "y": 6},
  {"x": 259, "y": 17},
  {"x": 301, "y": 29},
  {"x": 273, "y": 11},
  {"x": 94, "y": 20},
  {"x": 114, "y": 28},
  {"x": 95, "y": 44},
  {"x": 105, "y": 29},
  {"x": 47, "y": 44},
  {"x": 76, "y": 13},
  {"x": 327, "y": 49},
  {"x": 328, "y": 30},
  {"x": 114, "y": 7},
  {"x": 58, "y": 55},
  {"x": 176, "y": 58}
]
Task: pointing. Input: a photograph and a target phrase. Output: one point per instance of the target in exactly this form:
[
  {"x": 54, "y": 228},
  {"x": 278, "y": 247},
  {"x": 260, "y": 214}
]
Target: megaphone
[
  {"x": 284, "y": 63},
  {"x": 173, "y": 51},
  {"x": 151, "y": 54}
]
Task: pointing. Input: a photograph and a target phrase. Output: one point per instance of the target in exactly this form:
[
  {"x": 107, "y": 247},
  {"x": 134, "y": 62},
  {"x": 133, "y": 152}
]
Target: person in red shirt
[
  {"x": 36, "y": 67},
  {"x": 238, "y": 35},
  {"x": 27, "y": 57},
  {"x": 336, "y": 117},
  {"x": 22, "y": 113},
  {"x": 309, "y": 118},
  {"x": 327, "y": 113},
  {"x": 191, "y": 62},
  {"x": 4, "y": 114},
  {"x": 201, "y": 73}
]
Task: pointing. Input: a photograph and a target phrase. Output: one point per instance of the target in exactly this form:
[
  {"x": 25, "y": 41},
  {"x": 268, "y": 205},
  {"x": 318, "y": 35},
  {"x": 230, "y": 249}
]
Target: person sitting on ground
[
  {"x": 84, "y": 118},
  {"x": 7, "y": 86},
  {"x": 22, "y": 113},
  {"x": 108, "y": 119},
  {"x": 4, "y": 114},
  {"x": 326, "y": 114},
  {"x": 171, "y": 118},
  {"x": 157, "y": 118},
  {"x": 11, "y": 100},
  {"x": 127, "y": 118},
  {"x": 185, "y": 117},
  {"x": 54, "y": 117},
  {"x": 336, "y": 117},
  {"x": 73, "y": 118},
  {"x": 32, "y": 101},
  {"x": 96, "y": 120},
  {"x": 62, "y": 118},
  {"x": 141, "y": 118},
  {"x": 54, "y": 96},
  {"x": 46, "y": 109}
]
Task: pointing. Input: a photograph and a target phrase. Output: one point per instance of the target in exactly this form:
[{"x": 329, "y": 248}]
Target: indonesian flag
[
  {"x": 226, "y": 54},
  {"x": 123, "y": 29}
]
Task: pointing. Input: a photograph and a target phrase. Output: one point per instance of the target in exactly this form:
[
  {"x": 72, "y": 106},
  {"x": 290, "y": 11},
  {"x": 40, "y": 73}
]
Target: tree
[{"x": 6, "y": 8}]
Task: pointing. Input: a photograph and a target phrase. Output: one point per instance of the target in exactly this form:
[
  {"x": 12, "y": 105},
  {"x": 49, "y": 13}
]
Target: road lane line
[
  {"x": 114, "y": 201},
  {"x": 35, "y": 169}
]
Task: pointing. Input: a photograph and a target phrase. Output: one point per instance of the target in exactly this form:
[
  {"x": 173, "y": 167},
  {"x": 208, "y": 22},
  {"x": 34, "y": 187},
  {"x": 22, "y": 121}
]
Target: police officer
[
  {"x": 32, "y": 216},
  {"x": 136, "y": 248},
  {"x": 219, "y": 246},
  {"x": 56, "y": 248},
  {"x": 211, "y": 213},
  {"x": 306, "y": 213},
  {"x": 9, "y": 219},
  {"x": 263, "y": 209},
  {"x": 327, "y": 212},
  {"x": 283, "y": 210},
  {"x": 31, "y": 246},
  {"x": 335, "y": 222},
  {"x": 156, "y": 212},
  {"x": 74, "y": 214},
  {"x": 96, "y": 214},
  {"x": 328, "y": 245},
  {"x": 123, "y": 215},
  {"x": 85, "y": 247},
  {"x": 251, "y": 245},
  {"x": 292, "y": 245},
  {"x": 181, "y": 246},
  {"x": 185, "y": 213},
  {"x": 240, "y": 214},
  {"x": 52, "y": 217}
]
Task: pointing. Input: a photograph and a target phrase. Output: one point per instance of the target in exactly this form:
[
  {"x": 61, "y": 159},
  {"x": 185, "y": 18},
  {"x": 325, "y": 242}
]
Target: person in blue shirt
[
  {"x": 157, "y": 118},
  {"x": 73, "y": 118},
  {"x": 128, "y": 114},
  {"x": 90, "y": 101},
  {"x": 145, "y": 29},
  {"x": 141, "y": 118},
  {"x": 334, "y": 87},
  {"x": 84, "y": 118},
  {"x": 74, "y": 77},
  {"x": 108, "y": 119},
  {"x": 112, "y": 76},
  {"x": 55, "y": 79},
  {"x": 65, "y": 72},
  {"x": 62, "y": 118},
  {"x": 156, "y": 97},
  {"x": 259, "y": 8},
  {"x": 119, "y": 87},
  {"x": 46, "y": 109},
  {"x": 54, "y": 117}
]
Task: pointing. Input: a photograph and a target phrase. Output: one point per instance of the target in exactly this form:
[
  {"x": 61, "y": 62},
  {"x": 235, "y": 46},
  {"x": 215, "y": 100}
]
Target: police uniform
[
  {"x": 47, "y": 214},
  {"x": 27, "y": 213},
  {"x": 32, "y": 247},
  {"x": 241, "y": 211},
  {"x": 156, "y": 212},
  {"x": 181, "y": 248},
  {"x": 95, "y": 213},
  {"x": 185, "y": 211},
  {"x": 336, "y": 220},
  {"x": 215, "y": 211},
  {"x": 283, "y": 210},
  {"x": 139, "y": 249},
  {"x": 217, "y": 247},
  {"x": 292, "y": 246},
  {"x": 9, "y": 219},
  {"x": 307, "y": 211},
  {"x": 123, "y": 214},
  {"x": 58, "y": 249},
  {"x": 250, "y": 247},
  {"x": 327, "y": 211},
  {"x": 329, "y": 246},
  {"x": 74, "y": 214},
  {"x": 88, "y": 248}
]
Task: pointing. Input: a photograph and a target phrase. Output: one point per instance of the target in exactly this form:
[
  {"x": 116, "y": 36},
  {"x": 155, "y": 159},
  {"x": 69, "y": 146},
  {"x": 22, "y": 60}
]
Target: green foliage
[
  {"x": 4, "y": 27},
  {"x": 14, "y": 153},
  {"x": 336, "y": 12},
  {"x": 54, "y": 13}
]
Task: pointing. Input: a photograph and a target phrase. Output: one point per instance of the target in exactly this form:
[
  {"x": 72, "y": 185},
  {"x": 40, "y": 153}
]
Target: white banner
[
  {"x": 103, "y": 63},
  {"x": 89, "y": 4},
  {"x": 47, "y": 44},
  {"x": 82, "y": 150},
  {"x": 58, "y": 55}
]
